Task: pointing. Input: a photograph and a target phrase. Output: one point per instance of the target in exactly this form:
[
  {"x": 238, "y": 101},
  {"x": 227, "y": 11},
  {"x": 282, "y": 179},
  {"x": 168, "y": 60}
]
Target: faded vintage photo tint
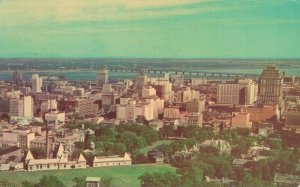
[{"x": 150, "y": 93}]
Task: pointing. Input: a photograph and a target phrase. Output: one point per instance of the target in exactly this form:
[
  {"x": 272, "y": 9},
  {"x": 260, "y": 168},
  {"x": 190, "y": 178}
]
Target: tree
[
  {"x": 239, "y": 173},
  {"x": 166, "y": 131},
  {"x": 142, "y": 120},
  {"x": 150, "y": 135},
  {"x": 222, "y": 166},
  {"x": 236, "y": 152},
  {"x": 50, "y": 181},
  {"x": 209, "y": 151},
  {"x": 243, "y": 131},
  {"x": 274, "y": 143},
  {"x": 250, "y": 181},
  {"x": 167, "y": 179},
  {"x": 140, "y": 159},
  {"x": 45, "y": 181},
  {"x": 208, "y": 170},
  {"x": 5, "y": 117},
  {"x": 132, "y": 141},
  {"x": 191, "y": 177},
  {"x": 38, "y": 153}
]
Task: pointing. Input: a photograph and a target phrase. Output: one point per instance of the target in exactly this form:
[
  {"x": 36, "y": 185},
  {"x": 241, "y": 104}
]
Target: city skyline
[{"x": 150, "y": 29}]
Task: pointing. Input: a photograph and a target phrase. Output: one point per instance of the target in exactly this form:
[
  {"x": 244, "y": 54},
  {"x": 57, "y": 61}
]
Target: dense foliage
[{"x": 45, "y": 181}]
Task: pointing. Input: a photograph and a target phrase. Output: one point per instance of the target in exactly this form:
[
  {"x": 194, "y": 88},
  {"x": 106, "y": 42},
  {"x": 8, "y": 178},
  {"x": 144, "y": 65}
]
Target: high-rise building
[
  {"x": 27, "y": 106},
  {"x": 140, "y": 82},
  {"x": 102, "y": 77},
  {"x": 4, "y": 106},
  {"x": 186, "y": 95},
  {"x": 130, "y": 109},
  {"x": 270, "y": 91},
  {"x": 82, "y": 106},
  {"x": 109, "y": 97},
  {"x": 17, "y": 77},
  {"x": 148, "y": 91},
  {"x": 48, "y": 105},
  {"x": 171, "y": 112},
  {"x": 241, "y": 92},
  {"x": 163, "y": 87},
  {"x": 22, "y": 106},
  {"x": 37, "y": 83}
]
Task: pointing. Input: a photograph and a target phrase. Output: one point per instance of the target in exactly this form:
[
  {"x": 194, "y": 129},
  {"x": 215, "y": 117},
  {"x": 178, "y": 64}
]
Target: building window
[
  {"x": 48, "y": 165},
  {"x": 65, "y": 166}
]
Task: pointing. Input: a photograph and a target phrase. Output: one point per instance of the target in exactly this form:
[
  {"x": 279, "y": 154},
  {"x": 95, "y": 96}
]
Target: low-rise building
[
  {"x": 222, "y": 145},
  {"x": 262, "y": 113},
  {"x": 112, "y": 161},
  {"x": 58, "y": 163},
  {"x": 195, "y": 118},
  {"x": 7, "y": 153},
  {"x": 17, "y": 137},
  {"x": 130, "y": 109},
  {"x": 292, "y": 120},
  {"x": 55, "y": 118},
  {"x": 286, "y": 180},
  {"x": 240, "y": 120},
  {"x": 92, "y": 182},
  {"x": 171, "y": 112},
  {"x": 195, "y": 106}
]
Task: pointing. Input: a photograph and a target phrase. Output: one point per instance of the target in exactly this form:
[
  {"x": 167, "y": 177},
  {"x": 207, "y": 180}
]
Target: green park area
[
  {"x": 121, "y": 176},
  {"x": 154, "y": 145}
]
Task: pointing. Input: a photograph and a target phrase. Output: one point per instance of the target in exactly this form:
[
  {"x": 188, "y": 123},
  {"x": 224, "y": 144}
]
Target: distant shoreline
[{"x": 51, "y": 70}]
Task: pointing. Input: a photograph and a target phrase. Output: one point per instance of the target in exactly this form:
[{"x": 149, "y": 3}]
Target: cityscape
[
  {"x": 167, "y": 121},
  {"x": 150, "y": 93}
]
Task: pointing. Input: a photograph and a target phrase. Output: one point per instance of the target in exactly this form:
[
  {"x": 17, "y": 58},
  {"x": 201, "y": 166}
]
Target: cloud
[
  {"x": 18, "y": 12},
  {"x": 63, "y": 13}
]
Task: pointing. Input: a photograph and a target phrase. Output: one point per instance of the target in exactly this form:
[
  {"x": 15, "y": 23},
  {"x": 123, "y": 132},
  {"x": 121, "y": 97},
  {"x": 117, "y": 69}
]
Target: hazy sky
[{"x": 150, "y": 28}]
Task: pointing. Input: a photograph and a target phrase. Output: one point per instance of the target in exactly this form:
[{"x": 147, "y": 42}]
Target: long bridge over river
[{"x": 183, "y": 72}]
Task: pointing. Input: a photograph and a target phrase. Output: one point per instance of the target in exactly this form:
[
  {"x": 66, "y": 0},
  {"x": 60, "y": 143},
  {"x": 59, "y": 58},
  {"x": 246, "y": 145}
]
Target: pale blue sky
[{"x": 150, "y": 28}]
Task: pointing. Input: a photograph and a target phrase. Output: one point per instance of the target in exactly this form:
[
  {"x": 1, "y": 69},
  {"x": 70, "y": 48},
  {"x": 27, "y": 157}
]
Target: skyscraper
[
  {"x": 270, "y": 90},
  {"x": 17, "y": 77},
  {"x": 102, "y": 77},
  {"x": 140, "y": 82},
  {"x": 37, "y": 83}
]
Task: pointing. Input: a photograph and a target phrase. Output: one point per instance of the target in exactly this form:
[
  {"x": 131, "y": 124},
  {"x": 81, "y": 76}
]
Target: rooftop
[
  {"x": 8, "y": 150},
  {"x": 92, "y": 179}
]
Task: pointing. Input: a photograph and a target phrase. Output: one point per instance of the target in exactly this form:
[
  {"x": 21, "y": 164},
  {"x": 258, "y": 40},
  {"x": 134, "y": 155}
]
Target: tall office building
[
  {"x": 241, "y": 92},
  {"x": 22, "y": 106},
  {"x": 140, "y": 82},
  {"x": 270, "y": 91},
  {"x": 37, "y": 83},
  {"x": 27, "y": 103},
  {"x": 102, "y": 77},
  {"x": 17, "y": 77}
]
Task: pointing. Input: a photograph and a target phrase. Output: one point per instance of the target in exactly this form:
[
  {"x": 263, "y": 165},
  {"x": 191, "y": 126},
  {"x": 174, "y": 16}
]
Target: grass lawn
[
  {"x": 154, "y": 145},
  {"x": 121, "y": 175}
]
